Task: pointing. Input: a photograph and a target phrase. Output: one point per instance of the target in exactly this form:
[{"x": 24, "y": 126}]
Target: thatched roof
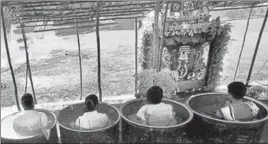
[{"x": 68, "y": 12}]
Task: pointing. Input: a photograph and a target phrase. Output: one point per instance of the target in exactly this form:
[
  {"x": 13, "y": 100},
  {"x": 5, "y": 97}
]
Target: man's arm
[
  {"x": 44, "y": 125},
  {"x": 141, "y": 115}
]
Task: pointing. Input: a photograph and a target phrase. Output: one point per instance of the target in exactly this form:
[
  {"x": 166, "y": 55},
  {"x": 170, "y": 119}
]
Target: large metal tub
[
  {"x": 205, "y": 128},
  {"x": 68, "y": 134},
  {"x": 133, "y": 132},
  {"x": 8, "y": 135}
]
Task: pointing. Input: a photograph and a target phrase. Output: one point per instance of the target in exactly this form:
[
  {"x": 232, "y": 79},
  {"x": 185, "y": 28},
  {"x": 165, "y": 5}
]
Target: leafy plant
[
  {"x": 218, "y": 49},
  {"x": 258, "y": 92},
  {"x": 146, "y": 57},
  {"x": 149, "y": 78}
]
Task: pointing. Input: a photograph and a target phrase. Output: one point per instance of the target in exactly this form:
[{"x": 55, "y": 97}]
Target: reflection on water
[
  {"x": 69, "y": 115},
  {"x": 131, "y": 109},
  {"x": 136, "y": 119},
  {"x": 211, "y": 109},
  {"x": 74, "y": 127},
  {"x": 8, "y": 132}
]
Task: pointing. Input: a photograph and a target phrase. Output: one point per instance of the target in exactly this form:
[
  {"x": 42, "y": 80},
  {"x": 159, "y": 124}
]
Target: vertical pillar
[
  {"x": 80, "y": 61},
  {"x": 98, "y": 49},
  {"x": 257, "y": 47},
  {"x": 27, "y": 60},
  {"x": 9, "y": 59},
  {"x": 156, "y": 34},
  {"x": 162, "y": 37},
  {"x": 136, "y": 55}
]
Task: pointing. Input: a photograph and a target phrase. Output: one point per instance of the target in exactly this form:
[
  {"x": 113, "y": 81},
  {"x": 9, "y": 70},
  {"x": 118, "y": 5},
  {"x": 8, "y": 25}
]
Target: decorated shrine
[{"x": 192, "y": 49}]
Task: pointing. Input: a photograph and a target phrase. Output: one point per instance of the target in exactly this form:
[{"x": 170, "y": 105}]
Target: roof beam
[
  {"x": 78, "y": 19},
  {"x": 87, "y": 9},
  {"x": 107, "y": 4},
  {"x": 73, "y": 27},
  {"x": 235, "y": 8},
  {"x": 79, "y": 14},
  {"x": 85, "y": 21}
]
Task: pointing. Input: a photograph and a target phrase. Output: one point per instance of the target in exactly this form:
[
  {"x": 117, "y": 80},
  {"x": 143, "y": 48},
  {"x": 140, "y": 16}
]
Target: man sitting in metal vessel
[
  {"x": 92, "y": 119},
  {"x": 156, "y": 113},
  {"x": 30, "y": 122},
  {"x": 237, "y": 109}
]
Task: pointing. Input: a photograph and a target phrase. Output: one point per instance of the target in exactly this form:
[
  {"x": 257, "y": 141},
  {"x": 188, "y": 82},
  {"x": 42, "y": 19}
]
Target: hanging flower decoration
[{"x": 191, "y": 32}]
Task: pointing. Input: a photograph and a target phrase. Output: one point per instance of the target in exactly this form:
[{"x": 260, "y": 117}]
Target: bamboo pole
[
  {"x": 28, "y": 61},
  {"x": 83, "y": 13},
  {"x": 257, "y": 47},
  {"x": 69, "y": 22},
  {"x": 244, "y": 39},
  {"x": 236, "y": 8},
  {"x": 80, "y": 61},
  {"x": 98, "y": 49},
  {"x": 9, "y": 60},
  {"x": 136, "y": 55},
  {"x": 156, "y": 34},
  {"x": 163, "y": 35},
  {"x": 79, "y": 27},
  {"x": 26, "y": 80},
  {"x": 259, "y": 70}
]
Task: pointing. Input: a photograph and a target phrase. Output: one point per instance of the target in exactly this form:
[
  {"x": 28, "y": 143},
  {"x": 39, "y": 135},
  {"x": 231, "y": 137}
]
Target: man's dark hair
[
  {"x": 237, "y": 90},
  {"x": 154, "y": 95},
  {"x": 91, "y": 102},
  {"x": 27, "y": 101}
]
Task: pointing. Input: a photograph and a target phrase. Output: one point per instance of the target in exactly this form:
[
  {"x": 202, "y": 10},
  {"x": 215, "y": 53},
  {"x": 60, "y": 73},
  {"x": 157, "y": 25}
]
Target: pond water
[
  {"x": 68, "y": 116},
  {"x": 208, "y": 105},
  {"x": 130, "y": 110},
  {"x": 8, "y": 132},
  {"x": 133, "y": 117}
]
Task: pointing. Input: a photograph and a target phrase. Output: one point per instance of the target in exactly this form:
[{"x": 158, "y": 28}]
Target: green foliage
[
  {"x": 147, "y": 50},
  {"x": 218, "y": 50},
  {"x": 149, "y": 77},
  {"x": 258, "y": 92}
]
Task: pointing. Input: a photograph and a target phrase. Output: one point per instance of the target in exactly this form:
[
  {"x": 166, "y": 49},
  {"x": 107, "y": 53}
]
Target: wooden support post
[
  {"x": 80, "y": 61},
  {"x": 136, "y": 55},
  {"x": 162, "y": 37},
  {"x": 257, "y": 47},
  {"x": 27, "y": 60},
  {"x": 244, "y": 39},
  {"x": 98, "y": 49},
  {"x": 156, "y": 34},
  {"x": 9, "y": 59},
  {"x": 26, "y": 80}
]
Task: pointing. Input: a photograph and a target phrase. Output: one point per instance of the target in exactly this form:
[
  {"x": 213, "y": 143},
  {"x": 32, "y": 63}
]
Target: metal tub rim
[
  {"x": 89, "y": 131},
  {"x": 191, "y": 115},
  {"x": 37, "y": 135},
  {"x": 226, "y": 121}
]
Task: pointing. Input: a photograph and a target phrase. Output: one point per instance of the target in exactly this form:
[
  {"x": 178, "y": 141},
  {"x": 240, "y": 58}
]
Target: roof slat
[{"x": 66, "y": 12}]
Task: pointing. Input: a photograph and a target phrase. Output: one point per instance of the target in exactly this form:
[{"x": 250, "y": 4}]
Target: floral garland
[
  {"x": 146, "y": 57},
  {"x": 193, "y": 34},
  {"x": 218, "y": 48},
  {"x": 219, "y": 37},
  {"x": 210, "y": 28}
]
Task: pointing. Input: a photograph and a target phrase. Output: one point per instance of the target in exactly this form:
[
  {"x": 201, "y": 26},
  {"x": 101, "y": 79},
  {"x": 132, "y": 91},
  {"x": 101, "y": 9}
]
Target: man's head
[
  {"x": 237, "y": 90},
  {"x": 154, "y": 95},
  {"x": 91, "y": 102},
  {"x": 27, "y": 101}
]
